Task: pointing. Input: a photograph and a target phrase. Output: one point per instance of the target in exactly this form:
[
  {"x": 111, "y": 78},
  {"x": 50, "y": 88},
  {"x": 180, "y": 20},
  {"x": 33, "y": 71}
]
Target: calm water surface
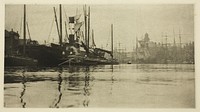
[{"x": 126, "y": 86}]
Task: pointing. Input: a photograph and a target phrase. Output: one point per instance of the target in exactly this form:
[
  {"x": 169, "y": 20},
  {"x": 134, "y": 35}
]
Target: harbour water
[{"x": 124, "y": 86}]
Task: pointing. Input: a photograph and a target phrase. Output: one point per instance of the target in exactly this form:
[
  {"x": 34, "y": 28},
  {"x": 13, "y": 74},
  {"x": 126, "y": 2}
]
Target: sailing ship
[
  {"x": 12, "y": 42},
  {"x": 46, "y": 55}
]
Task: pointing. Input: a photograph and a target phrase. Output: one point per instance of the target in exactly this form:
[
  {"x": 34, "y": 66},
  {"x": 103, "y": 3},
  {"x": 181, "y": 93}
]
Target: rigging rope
[
  {"x": 28, "y": 31},
  {"x": 50, "y": 29},
  {"x": 21, "y": 27},
  {"x": 67, "y": 20}
]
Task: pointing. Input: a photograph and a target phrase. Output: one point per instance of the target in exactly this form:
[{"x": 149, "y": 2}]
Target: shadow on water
[{"x": 24, "y": 89}]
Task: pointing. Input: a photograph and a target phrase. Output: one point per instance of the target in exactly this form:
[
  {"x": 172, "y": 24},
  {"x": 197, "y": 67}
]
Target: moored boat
[{"x": 12, "y": 42}]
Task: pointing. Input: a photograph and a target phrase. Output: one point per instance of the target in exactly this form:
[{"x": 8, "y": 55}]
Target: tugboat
[{"x": 81, "y": 53}]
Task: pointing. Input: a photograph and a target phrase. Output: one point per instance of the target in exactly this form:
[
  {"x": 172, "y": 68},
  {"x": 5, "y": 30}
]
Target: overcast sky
[{"x": 129, "y": 21}]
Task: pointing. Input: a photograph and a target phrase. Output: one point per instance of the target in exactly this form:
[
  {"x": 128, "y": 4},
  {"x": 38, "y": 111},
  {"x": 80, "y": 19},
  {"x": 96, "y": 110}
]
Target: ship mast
[
  {"x": 174, "y": 37},
  {"x": 112, "y": 42},
  {"x": 166, "y": 49},
  {"x": 85, "y": 17},
  {"x": 56, "y": 22},
  {"x": 180, "y": 37},
  {"x": 180, "y": 45},
  {"x": 88, "y": 28},
  {"x": 24, "y": 30},
  {"x": 136, "y": 49},
  {"x": 60, "y": 39}
]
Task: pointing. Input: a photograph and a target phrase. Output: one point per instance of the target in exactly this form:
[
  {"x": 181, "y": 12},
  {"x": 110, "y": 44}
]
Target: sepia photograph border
[{"x": 196, "y": 41}]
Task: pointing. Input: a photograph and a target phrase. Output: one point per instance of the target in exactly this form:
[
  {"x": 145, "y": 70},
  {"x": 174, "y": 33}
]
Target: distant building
[{"x": 11, "y": 42}]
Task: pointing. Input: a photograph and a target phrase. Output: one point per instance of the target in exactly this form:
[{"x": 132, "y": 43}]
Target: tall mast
[
  {"x": 60, "y": 39},
  {"x": 174, "y": 49},
  {"x": 162, "y": 39},
  {"x": 166, "y": 51},
  {"x": 180, "y": 37},
  {"x": 174, "y": 37},
  {"x": 24, "y": 30},
  {"x": 180, "y": 46},
  {"x": 112, "y": 41},
  {"x": 166, "y": 40},
  {"x": 85, "y": 14},
  {"x": 136, "y": 48},
  {"x": 56, "y": 22},
  {"x": 88, "y": 27},
  {"x": 93, "y": 43}
]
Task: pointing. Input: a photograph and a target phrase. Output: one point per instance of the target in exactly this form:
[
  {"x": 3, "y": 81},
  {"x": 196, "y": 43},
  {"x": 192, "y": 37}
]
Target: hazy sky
[{"x": 129, "y": 21}]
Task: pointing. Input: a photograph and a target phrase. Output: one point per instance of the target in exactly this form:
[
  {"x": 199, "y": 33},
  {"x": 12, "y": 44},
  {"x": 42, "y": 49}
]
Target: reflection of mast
[
  {"x": 59, "y": 90},
  {"x": 112, "y": 82},
  {"x": 24, "y": 89},
  {"x": 86, "y": 88}
]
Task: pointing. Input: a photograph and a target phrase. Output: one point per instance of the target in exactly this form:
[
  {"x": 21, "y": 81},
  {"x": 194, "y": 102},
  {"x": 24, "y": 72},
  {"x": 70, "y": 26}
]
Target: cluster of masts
[
  {"x": 174, "y": 36},
  {"x": 165, "y": 37},
  {"x": 74, "y": 27}
]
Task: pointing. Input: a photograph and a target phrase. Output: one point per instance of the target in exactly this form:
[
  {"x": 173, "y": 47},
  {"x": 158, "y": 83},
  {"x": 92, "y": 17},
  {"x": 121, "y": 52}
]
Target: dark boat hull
[
  {"x": 53, "y": 56},
  {"x": 46, "y": 56},
  {"x": 19, "y": 61}
]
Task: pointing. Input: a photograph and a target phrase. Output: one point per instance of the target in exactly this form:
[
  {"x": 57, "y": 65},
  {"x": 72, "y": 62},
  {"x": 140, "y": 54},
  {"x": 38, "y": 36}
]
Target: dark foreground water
[{"x": 134, "y": 86}]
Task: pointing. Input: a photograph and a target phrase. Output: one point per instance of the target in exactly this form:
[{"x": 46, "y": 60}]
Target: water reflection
[
  {"x": 74, "y": 82},
  {"x": 86, "y": 88},
  {"x": 79, "y": 83},
  {"x": 60, "y": 80},
  {"x": 59, "y": 89},
  {"x": 23, "y": 90},
  {"x": 112, "y": 82},
  {"x": 101, "y": 86}
]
